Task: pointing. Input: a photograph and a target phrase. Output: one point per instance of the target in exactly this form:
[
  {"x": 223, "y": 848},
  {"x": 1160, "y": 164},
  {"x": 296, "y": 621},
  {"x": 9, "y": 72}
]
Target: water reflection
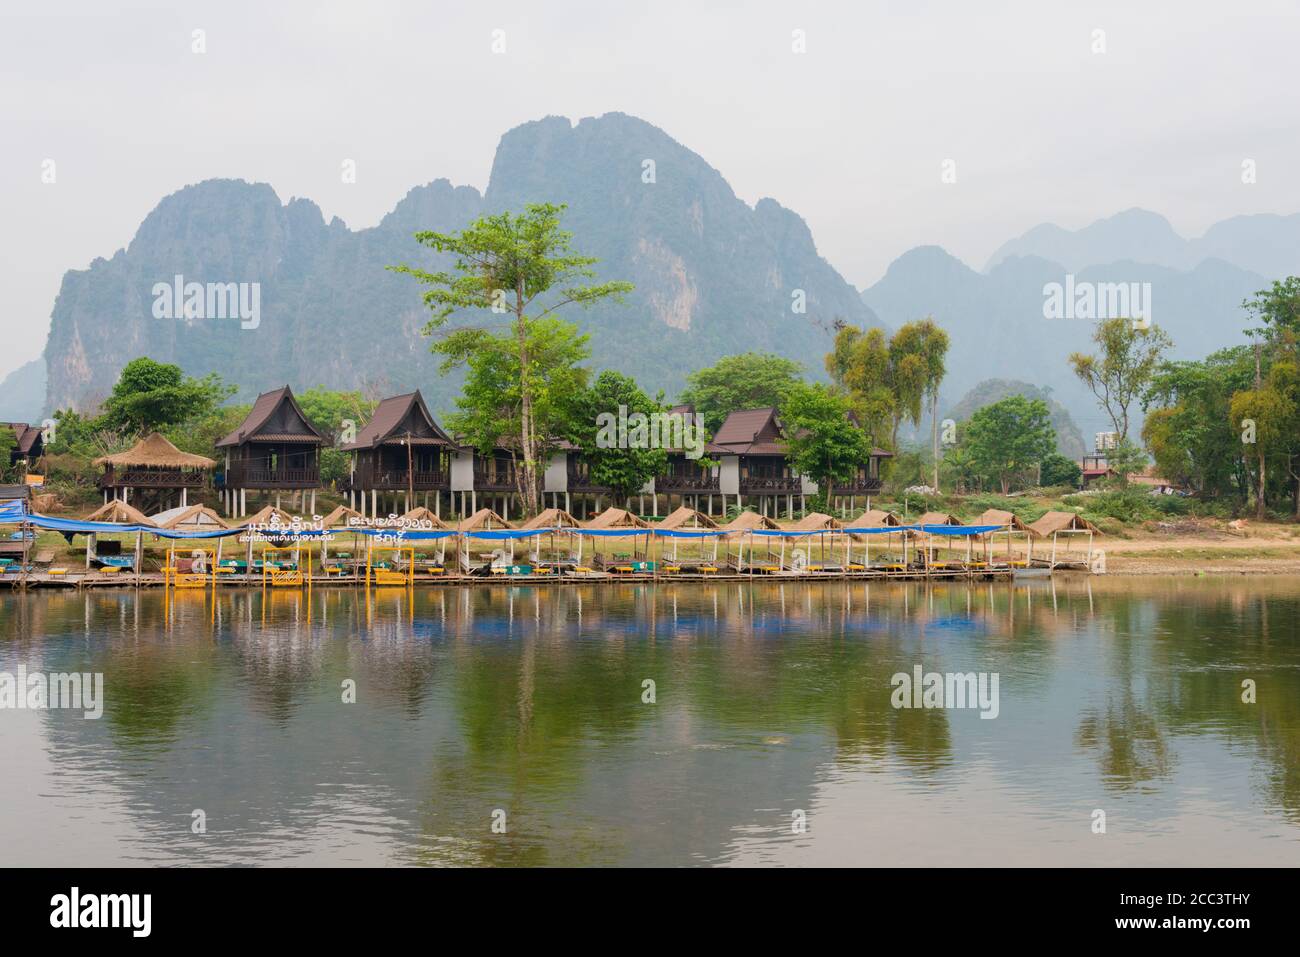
[{"x": 770, "y": 699}]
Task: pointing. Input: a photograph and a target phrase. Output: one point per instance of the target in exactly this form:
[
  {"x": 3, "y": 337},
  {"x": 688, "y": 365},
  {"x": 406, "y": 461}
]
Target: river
[{"x": 1136, "y": 721}]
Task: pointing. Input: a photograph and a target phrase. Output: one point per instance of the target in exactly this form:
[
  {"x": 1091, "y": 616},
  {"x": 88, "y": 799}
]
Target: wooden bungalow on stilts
[
  {"x": 275, "y": 449},
  {"x": 401, "y": 459},
  {"x": 153, "y": 475}
]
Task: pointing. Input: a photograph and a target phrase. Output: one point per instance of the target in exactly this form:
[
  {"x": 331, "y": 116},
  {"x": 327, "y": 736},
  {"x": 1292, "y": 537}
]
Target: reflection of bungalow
[
  {"x": 403, "y": 452},
  {"x": 752, "y": 450},
  {"x": 155, "y": 472},
  {"x": 275, "y": 449},
  {"x": 29, "y": 442}
]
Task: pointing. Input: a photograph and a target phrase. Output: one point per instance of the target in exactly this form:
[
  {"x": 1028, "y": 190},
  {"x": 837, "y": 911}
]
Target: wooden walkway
[{"x": 94, "y": 579}]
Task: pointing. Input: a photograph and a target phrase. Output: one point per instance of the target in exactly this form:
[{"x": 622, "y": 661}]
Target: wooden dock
[{"x": 94, "y": 579}]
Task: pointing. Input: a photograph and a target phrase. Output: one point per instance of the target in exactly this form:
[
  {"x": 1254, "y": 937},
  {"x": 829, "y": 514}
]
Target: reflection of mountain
[{"x": 529, "y": 700}]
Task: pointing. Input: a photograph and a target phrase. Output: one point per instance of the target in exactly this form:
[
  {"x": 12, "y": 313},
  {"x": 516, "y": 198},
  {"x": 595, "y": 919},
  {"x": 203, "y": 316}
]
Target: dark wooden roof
[
  {"x": 399, "y": 416},
  {"x": 751, "y": 432},
  {"x": 26, "y": 435},
  {"x": 759, "y": 432},
  {"x": 275, "y": 417}
]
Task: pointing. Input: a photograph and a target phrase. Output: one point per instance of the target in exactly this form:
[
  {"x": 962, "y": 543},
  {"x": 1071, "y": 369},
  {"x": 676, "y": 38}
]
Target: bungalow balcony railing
[
  {"x": 579, "y": 481},
  {"x": 244, "y": 477},
  {"x": 774, "y": 484},
  {"x": 396, "y": 480},
  {"x": 153, "y": 478},
  {"x": 675, "y": 482},
  {"x": 499, "y": 481},
  {"x": 858, "y": 486}
]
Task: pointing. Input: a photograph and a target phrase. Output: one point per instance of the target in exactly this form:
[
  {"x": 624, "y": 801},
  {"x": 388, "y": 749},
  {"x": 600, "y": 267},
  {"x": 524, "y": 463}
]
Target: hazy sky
[{"x": 851, "y": 134}]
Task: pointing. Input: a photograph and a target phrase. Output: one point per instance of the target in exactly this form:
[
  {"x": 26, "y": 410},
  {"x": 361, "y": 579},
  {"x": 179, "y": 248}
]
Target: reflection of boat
[{"x": 1039, "y": 572}]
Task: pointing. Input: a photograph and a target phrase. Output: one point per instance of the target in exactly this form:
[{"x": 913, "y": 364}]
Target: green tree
[
  {"x": 1056, "y": 469},
  {"x": 1009, "y": 437},
  {"x": 1188, "y": 425},
  {"x": 1128, "y": 359},
  {"x": 1126, "y": 458},
  {"x": 1278, "y": 307},
  {"x": 490, "y": 407},
  {"x": 1267, "y": 417},
  {"x": 751, "y": 380},
  {"x": 508, "y": 264},
  {"x": 822, "y": 440},
  {"x": 150, "y": 396},
  {"x": 329, "y": 410},
  {"x": 918, "y": 350},
  {"x": 859, "y": 365},
  {"x": 8, "y": 446},
  {"x": 624, "y": 463}
]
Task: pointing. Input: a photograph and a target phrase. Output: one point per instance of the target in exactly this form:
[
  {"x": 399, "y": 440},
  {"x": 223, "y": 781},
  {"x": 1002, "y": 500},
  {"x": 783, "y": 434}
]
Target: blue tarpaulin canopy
[{"x": 77, "y": 527}]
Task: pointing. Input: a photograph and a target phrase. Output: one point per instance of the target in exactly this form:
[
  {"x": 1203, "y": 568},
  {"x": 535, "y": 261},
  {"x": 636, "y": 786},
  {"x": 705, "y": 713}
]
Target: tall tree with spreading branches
[
  {"x": 521, "y": 265},
  {"x": 1129, "y": 358}
]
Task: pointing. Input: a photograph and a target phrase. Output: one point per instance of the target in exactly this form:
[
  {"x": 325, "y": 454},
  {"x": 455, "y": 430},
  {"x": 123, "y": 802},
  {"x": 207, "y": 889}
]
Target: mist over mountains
[{"x": 713, "y": 276}]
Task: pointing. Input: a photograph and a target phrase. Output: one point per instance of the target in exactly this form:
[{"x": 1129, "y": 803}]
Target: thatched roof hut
[
  {"x": 339, "y": 517},
  {"x": 617, "y": 518},
  {"x": 687, "y": 517},
  {"x": 154, "y": 451},
  {"x": 748, "y": 521},
  {"x": 194, "y": 518},
  {"x": 1005, "y": 519},
  {"x": 551, "y": 518},
  {"x": 1053, "y": 522},
  {"x": 816, "y": 522},
  {"x": 269, "y": 515},
  {"x": 939, "y": 518},
  {"x": 484, "y": 520},
  {"x": 875, "y": 518},
  {"x": 119, "y": 513}
]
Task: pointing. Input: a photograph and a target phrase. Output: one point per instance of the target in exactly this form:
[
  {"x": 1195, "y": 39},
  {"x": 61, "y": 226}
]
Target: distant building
[{"x": 30, "y": 442}]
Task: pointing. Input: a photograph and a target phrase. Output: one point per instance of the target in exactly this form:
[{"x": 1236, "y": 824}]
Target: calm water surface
[{"x": 772, "y": 704}]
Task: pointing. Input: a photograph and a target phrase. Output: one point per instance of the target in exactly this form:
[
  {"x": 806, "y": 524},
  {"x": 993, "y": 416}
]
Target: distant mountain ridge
[
  {"x": 713, "y": 276},
  {"x": 997, "y": 327},
  {"x": 1263, "y": 243}
]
